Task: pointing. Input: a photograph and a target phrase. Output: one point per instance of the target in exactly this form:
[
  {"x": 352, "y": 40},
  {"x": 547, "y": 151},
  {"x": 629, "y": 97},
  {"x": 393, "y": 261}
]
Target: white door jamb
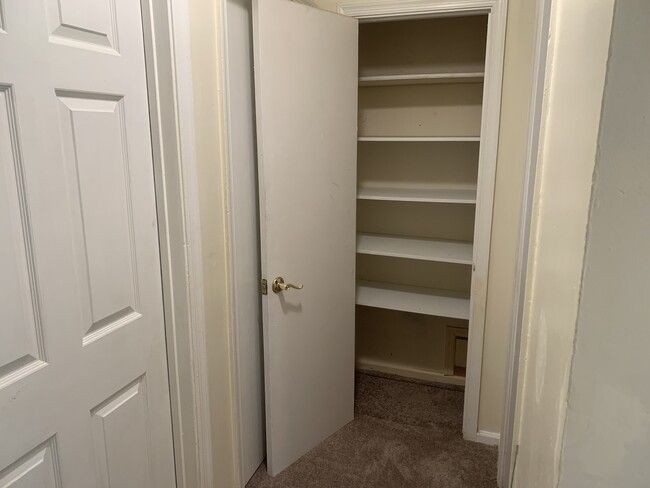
[
  {"x": 171, "y": 106},
  {"x": 507, "y": 449}
]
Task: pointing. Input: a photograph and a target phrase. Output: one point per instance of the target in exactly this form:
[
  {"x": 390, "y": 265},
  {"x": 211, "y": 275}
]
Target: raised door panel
[
  {"x": 121, "y": 442},
  {"x": 87, "y": 24},
  {"x": 22, "y": 349},
  {"x": 39, "y": 468},
  {"x": 96, "y": 155},
  {"x": 3, "y": 28}
]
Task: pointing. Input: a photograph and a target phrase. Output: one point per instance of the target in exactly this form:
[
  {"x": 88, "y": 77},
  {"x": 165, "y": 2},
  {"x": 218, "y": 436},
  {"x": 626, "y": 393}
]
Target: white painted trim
[
  {"x": 497, "y": 10},
  {"x": 506, "y": 451},
  {"x": 484, "y": 206},
  {"x": 232, "y": 248},
  {"x": 488, "y": 438},
  {"x": 199, "y": 358},
  {"x": 239, "y": 247},
  {"x": 169, "y": 75}
]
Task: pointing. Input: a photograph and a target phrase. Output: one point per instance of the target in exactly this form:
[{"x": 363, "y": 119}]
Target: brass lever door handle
[{"x": 279, "y": 285}]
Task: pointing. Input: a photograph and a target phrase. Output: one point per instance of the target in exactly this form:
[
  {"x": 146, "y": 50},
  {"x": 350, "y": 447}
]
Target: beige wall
[
  {"x": 607, "y": 433},
  {"x": 505, "y": 233},
  {"x": 578, "y": 49},
  {"x": 210, "y": 150}
]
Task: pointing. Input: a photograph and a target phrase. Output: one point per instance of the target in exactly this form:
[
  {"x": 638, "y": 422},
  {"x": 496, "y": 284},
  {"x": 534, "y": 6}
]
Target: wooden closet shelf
[
  {"x": 420, "y": 79},
  {"x": 457, "y": 252},
  {"x": 427, "y": 301},
  {"x": 423, "y": 195},
  {"x": 419, "y": 138}
]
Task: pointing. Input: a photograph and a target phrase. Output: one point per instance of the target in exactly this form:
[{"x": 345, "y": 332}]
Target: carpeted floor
[{"x": 403, "y": 435}]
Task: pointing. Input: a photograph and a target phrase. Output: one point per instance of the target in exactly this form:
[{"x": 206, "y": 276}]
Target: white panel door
[
  {"x": 306, "y": 101},
  {"x": 84, "y": 398}
]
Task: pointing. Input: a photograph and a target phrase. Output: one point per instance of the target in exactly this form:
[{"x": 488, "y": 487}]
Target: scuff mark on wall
[{"x": 541, "y": 356}]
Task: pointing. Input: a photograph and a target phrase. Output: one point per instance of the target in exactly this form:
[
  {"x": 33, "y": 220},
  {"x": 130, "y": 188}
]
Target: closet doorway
[{"x": 376, "y": 148}]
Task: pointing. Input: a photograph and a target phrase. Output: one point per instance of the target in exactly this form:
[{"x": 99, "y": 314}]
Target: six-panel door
[{"x": 84, "y": 398}]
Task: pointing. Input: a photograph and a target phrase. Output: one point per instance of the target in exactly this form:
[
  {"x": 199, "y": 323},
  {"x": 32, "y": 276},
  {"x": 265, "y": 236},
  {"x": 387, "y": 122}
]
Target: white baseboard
[
  {"x": 489, "y": 438},
  {"x": 407, "y": 371}
]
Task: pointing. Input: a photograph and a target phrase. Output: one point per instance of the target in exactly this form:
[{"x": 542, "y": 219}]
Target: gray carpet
[{"x": 404, "y": 434}]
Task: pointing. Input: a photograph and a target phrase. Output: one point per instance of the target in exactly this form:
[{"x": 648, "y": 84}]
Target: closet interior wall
[{"x": 420, "y": 101}]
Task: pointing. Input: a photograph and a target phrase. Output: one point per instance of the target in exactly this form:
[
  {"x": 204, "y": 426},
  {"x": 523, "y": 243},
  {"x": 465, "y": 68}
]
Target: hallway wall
[
  {"x": 578, "y": 49},
  {"x": 607, "y": 433}
]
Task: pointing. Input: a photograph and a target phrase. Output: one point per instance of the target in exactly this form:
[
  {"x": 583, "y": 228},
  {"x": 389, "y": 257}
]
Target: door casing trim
[
  {"x": 507, "y": 446},
  {"x": 169, "y": 77}
]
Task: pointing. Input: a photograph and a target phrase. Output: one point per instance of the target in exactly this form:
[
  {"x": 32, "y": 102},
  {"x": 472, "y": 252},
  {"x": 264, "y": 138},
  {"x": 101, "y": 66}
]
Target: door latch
[{"x": 264, "y": 287}]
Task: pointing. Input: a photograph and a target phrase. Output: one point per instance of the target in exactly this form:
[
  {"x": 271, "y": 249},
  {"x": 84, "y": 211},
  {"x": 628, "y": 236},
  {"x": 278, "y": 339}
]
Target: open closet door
[{"x": 306, "y": 102}]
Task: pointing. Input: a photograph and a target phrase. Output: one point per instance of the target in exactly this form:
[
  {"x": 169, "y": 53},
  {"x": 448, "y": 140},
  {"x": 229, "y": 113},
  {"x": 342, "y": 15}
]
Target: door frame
[
  {"x": 167, "y": 49},
  {"x": 490, "y": 118},
  {"x": 166, "y": 30},
  {"x": 507, "y": 446}
]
